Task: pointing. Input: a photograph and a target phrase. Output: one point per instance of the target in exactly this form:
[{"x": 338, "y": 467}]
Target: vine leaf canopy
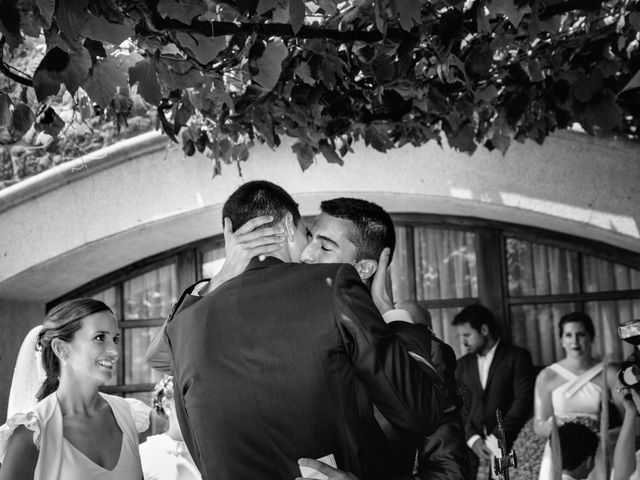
[{"x": 224, "y": 75}]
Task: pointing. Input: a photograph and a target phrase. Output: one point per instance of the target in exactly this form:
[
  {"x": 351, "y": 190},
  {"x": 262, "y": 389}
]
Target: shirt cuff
[
  {"x": 397, "y": 315},
  {"x": 472, "y": 440}
]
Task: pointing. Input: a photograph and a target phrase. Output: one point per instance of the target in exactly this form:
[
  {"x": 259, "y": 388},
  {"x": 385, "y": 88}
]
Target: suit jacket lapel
[
  {"x": 474, "y": 373},
  {"x": 498, "y": 356}
]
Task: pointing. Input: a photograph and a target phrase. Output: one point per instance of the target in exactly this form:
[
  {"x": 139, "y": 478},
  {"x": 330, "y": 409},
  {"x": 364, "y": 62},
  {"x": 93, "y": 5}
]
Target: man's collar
[
  {"x": 491, "y": 350},
  {"x": 256, "y": 263}
]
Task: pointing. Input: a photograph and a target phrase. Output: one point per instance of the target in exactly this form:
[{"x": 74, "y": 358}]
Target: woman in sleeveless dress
[
  {"x": 572, "y": 388},
  {"x": 75, "y": 432}
]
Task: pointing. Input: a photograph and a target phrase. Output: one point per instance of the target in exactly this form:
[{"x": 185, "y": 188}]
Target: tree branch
[
  {"x": 283, "y": 30},
  {"x": 549, "y": 8}
]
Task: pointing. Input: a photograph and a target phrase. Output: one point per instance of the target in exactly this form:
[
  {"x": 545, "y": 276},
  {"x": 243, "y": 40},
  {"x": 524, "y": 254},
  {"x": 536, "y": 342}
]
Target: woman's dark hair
[
  {"x": 577, "y": 444},
  {"x": 577, "y": 317},
  {"x": 62, "y": 322}
]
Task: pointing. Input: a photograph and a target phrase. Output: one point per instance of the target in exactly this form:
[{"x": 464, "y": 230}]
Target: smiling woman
[{"x": 75, "y": 432}]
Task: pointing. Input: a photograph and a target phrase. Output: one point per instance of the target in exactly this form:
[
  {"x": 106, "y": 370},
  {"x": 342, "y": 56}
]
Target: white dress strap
[
  {"x": 583, "y": 379},
  {"x": 563, "y": 372}
]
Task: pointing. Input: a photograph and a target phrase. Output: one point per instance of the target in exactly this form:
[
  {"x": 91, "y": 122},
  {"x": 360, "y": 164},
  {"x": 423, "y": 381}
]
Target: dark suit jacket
[
  {"x": 265, "y": 368},
  {"x": 509, "y": 388},
  {"x": 442, "y": 455}
]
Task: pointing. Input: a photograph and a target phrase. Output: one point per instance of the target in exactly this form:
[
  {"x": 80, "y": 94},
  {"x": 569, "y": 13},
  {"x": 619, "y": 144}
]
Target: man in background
[
  {"x": 361, "y": 233},
  {"x": 498, "y": 376}
]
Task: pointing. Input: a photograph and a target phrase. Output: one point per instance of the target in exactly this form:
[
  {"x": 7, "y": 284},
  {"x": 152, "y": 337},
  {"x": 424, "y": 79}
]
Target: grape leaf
[
  {"x": 462, "y": 139},
  {"x": 281, "y": 14},
  {"x": 46, "y": 8},
  {"x": 303, "y": 71},
  {"x": 586, "y": 86},
  {"x": 46, "y": 78},
  {"x": 501, "y": 142},
  {"x": 330, "y": 154},
  {"x": 486, "y": 94},
  {"x": 377, "y": 139},
  {"x": 104, "y": 81},
  {"x": 100, "y": 29},
  {"x": 509, "y": 9},
  {"x": 10, "y": 23},
  {"x": 329, "y": 6},
  {"x": 71, "y": 16},
  {"x": 270, "y": 64},
  {"x": 633, "y": 83},
  {"x": 49, "y": 122},
  {"x": 296, "y": 12},
  {"x": 5, "y": 110},
  {"x": 265, "y": 5},
  {"x": 23, "y": 118},
  {"x": 144, "y": 74},
  {"x": 184, "y": 11},
  {"x": 606, "y": 113},
  {"x": 304, "y": 154},
  {"x": 77, "y": 70},
  {"x": 204, "y": 49},
  {"x": 409, "y": 11}
]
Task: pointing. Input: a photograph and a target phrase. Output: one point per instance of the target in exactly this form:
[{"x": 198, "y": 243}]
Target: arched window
[{"x": 528, "y": 277}]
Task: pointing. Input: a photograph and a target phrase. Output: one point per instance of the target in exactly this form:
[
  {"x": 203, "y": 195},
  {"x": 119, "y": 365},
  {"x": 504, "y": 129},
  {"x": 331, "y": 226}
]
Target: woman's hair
[
  {"x": 62, "y": 322},
  {"x": 577, "y": 444},
  {"x": 577, "y": 317},
  {"x": 162, "y": 390}
]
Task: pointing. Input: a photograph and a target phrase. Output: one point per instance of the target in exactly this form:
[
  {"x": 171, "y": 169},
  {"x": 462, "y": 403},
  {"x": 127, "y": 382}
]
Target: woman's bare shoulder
[{"x": 547, "y": 374}]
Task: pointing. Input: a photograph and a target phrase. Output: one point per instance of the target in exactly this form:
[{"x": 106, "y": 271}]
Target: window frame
[{"x": 490, "y": 242}]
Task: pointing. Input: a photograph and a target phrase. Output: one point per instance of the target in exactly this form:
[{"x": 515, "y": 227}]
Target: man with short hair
[
  {"x": 498, "y": 376},
  {"x": 265, "y": 364},
  {"x": 361, "y": 233}
]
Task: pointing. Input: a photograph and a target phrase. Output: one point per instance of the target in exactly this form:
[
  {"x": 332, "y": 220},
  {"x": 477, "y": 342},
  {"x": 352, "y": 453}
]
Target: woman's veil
[{"x": 27, "y": 376}]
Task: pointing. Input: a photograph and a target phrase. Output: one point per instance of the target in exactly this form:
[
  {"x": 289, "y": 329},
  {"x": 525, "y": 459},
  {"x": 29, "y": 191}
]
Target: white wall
[{"x": 95, "y": 215}]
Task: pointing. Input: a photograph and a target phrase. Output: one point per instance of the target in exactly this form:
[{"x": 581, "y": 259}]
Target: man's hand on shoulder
[{"x": 241, "y": 246}]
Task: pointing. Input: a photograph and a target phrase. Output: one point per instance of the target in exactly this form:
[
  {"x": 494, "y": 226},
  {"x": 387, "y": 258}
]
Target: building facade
[{"x": 533, "y": 235}]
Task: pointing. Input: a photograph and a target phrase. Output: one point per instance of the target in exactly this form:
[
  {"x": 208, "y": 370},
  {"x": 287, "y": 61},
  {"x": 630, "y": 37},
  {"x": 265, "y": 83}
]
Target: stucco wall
[{"x": 100, "y": 213}]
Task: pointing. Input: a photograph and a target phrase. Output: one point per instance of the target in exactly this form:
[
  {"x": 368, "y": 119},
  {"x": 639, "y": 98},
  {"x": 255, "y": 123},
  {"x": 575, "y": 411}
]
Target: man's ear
[
  {"x": 484, "y": 329},
  {"x": 366, "y": 268},
  {"x": 289, "y": 227}
]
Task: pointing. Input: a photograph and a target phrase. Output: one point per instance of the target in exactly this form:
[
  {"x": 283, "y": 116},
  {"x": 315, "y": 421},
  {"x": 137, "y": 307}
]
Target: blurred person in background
[{"x": 165, "y": 456}]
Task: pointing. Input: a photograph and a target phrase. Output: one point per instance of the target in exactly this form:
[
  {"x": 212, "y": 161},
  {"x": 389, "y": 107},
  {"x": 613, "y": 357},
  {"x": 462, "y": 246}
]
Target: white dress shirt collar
[{"x": 484, "y": 363}]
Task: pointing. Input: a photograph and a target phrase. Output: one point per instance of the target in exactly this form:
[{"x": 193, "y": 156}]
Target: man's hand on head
[
  {"x": 246, "y": 242},
  {"x": 380, "y": 287}
]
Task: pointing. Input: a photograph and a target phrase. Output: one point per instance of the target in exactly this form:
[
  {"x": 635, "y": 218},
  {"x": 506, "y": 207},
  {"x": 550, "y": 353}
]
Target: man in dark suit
[
  {"x": 265, "y": 365},
  {"x": 356, "y": 231},
  {"x": 498, "y": 375}
]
